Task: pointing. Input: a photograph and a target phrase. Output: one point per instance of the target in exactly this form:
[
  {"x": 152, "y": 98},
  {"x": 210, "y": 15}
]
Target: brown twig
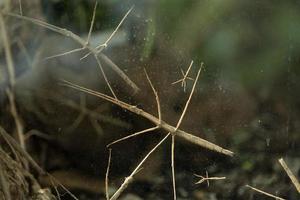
[
  {"x": 265, "y": 193},
  {"x": 290, "y": 174}
]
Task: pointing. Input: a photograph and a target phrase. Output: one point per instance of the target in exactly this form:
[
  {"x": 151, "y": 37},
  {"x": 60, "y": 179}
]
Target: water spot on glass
[{"x": 268, "y": 141}]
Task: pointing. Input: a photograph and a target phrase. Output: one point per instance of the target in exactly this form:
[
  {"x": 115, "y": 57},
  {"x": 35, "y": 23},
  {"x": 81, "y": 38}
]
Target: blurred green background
[{"x": 255, "y": 43}]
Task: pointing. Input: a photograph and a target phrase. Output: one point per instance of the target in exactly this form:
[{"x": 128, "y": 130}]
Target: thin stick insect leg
[
  {"x": 64, "y": 53},
  {"x": 92, "y": 23},
  {"x": 133, "y": 135},
  {"x": 173, "y": 166},
  {"x": 105, "y": 78}
]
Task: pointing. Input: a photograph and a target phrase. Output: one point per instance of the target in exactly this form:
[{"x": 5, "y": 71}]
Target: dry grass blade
[
  {"x": 15, "y": 153},
  {"x": 4, "y": 185},
  {"x": 21, "y": 151},
  {"x": 264, "y": 193},
  {"x": 290, "y": 174},
  {"x": 129, "y": 179},
  {"x": 169, "y": 128},
  {"x": 11, "y": 141}
]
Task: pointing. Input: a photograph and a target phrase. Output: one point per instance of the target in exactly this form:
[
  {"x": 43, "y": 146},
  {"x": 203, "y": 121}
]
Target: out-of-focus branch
[
  {"x": 12, "y": 81},
  {"x": 290, "y": 174}
]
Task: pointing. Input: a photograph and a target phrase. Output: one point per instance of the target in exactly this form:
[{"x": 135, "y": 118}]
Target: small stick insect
[
  {"x": 185, "y": 76},
  {"x": 207, "y": 178}
]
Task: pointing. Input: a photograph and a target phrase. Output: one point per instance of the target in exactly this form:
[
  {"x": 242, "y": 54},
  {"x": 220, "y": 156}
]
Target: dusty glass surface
[{"x": 243, "y": 113}]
